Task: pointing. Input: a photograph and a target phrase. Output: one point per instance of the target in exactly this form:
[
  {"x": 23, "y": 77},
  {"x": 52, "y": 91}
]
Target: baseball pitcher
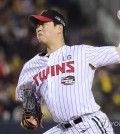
[{"x": 63, "y": 78}]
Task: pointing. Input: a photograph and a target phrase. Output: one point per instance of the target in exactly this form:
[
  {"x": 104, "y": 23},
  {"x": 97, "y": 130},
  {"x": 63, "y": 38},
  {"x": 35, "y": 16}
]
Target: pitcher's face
[{"x": 46, "y": 31}]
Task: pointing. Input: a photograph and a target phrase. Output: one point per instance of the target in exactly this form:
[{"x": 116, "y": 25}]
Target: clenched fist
[{"x": 118, "y": 14}]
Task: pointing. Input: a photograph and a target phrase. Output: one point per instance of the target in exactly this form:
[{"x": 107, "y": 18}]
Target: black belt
[{"x": 68, "y": 125}]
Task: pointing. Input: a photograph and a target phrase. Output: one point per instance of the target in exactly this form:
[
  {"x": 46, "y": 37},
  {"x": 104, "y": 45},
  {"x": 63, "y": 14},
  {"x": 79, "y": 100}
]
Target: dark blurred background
[{"x": 92, "y": 22}]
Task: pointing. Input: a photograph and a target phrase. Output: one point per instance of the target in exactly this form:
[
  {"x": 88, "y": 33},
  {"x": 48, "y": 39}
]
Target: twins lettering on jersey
[{"x": 67, "y": 67}]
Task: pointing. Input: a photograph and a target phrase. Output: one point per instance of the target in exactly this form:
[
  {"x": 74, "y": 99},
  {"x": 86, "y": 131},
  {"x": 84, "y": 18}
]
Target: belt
[{"x": 71, "y": 123}]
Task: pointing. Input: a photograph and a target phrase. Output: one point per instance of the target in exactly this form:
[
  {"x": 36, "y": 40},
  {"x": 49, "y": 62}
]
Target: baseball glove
[{"x": 31, "y": 111}]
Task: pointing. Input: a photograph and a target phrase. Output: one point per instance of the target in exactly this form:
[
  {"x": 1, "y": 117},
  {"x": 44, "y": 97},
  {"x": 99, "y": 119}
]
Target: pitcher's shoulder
[
  {"x": 78, "y": 46},
  {"x": 32, "y": 62}
]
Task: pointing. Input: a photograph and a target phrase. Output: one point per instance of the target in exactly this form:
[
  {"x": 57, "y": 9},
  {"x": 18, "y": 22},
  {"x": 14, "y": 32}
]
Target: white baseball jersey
[{"x": 64, "y": 80}]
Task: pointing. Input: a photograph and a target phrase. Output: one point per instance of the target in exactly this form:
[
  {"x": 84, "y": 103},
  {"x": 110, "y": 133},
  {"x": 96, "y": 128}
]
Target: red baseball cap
[{"x": 47, "y": 16}]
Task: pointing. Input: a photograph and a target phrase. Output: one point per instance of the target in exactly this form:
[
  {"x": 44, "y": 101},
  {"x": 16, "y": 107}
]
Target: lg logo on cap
[{"x": 59, "y": 19}]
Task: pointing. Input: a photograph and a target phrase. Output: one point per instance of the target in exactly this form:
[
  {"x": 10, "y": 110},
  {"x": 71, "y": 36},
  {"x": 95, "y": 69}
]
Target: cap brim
[{"x": 33, "y": 19}]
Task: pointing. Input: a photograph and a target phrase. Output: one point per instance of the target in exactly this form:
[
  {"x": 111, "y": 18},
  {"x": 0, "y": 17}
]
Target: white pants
[{"x": 95, "y": 123}]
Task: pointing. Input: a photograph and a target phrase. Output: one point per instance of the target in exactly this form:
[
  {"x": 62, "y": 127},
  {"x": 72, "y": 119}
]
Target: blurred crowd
[{"x": 18, "y": 44}]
